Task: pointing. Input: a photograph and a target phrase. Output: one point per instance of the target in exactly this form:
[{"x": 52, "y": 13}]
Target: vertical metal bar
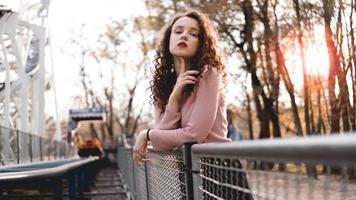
[
  {"x": 57, "y": 189},
  {"x": 82, "y": 179},
  {"x": 146, "y": 174},
  {"x": 187, "y": 157},
  {"x": 31, "y": 156},
  {"x": 41, "y": 149},
  {"x": 196, "y": 178},
  {"x": 55, "y": 150},
  {"x": 133, "y": 175},
  {"x": 1, "y": 147},
  {"x": 72, "y": 188},
  {"x": 126, "y": 154},
  {"x": 65, "y": 149},
  {"x": 18, "y": 146}
]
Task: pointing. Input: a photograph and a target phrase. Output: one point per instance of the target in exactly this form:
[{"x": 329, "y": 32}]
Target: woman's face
[{"x": 184, "y": 40}]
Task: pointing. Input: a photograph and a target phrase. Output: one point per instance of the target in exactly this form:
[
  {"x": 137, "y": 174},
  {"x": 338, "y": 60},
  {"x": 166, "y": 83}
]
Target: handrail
[
  {"x": 282, "y": 168},
  {"x": 340, "y": 149},
  {"x": 25, "y": 147},
  {"x": 22, "y": 174},
  {"x": 34, "y": 164}
]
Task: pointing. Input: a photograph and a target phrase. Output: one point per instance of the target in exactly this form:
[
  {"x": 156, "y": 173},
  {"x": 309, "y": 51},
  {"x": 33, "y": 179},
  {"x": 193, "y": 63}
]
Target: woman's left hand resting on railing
[{"x": 140, "y": 149}]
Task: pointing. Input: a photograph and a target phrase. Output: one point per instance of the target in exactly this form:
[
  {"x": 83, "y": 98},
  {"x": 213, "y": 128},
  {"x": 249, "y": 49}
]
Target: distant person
[
  {"x": 93, "y": 132},
  {"x": 187, "y": 88},
  {"x": 232, "y": 132},
  {"x": 69, "y": 136}
]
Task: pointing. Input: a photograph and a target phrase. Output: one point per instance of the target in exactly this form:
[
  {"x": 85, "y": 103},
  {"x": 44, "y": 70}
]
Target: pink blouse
[{"x": 202, "y": 117}]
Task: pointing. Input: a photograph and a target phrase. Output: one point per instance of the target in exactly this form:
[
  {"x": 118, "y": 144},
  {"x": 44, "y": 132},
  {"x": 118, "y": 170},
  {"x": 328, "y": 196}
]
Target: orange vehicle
[
  {"x": 83, "y": 127},
  {"x": 88, "y": 147}
]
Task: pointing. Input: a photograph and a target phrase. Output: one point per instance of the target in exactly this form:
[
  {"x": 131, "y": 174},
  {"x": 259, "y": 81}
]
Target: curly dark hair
[{"x": 208, "y": 54}]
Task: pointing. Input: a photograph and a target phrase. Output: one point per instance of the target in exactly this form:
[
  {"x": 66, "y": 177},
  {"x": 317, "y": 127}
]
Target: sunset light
[
  {"x": 316, "y": 57},
  {"x": 317, "y": 60}
]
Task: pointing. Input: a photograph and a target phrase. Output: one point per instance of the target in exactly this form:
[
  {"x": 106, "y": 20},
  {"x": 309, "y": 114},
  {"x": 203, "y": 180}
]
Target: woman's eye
[
  {"x": 178, "y": 32},
  {"x": 194, "y": 34}
]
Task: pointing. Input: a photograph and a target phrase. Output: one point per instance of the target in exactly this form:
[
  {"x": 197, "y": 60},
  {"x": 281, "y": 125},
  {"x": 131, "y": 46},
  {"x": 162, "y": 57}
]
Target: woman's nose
[{"x": 184, "y": 36}]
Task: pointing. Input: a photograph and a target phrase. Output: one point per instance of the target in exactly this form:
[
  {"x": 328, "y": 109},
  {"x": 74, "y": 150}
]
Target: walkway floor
[
  {"x": 108, "y": 185},
  {"x": 282, "y": 186}
]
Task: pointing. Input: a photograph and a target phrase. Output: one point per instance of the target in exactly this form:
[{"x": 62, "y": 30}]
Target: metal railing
[
  {"x": 161, "y": 176},
  {"x": 166, "y": 175},
  {"x": 295, "y": 168},
  {"x": 42, "y": 170},
  {"x": 17, "y": 147},
  {"x": 75, "y": 173}
]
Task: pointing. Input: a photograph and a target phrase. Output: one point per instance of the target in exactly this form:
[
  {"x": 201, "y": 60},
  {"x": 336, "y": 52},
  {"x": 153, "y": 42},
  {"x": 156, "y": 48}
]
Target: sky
[
  {"x": 65, "y": 21},
  {"x": 66, "y": 18}
]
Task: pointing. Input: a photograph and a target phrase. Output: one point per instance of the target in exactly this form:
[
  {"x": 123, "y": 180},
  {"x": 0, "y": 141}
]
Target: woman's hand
[
  {"x": 185, "y": 77},
  {"x": 140, "y": 149}
]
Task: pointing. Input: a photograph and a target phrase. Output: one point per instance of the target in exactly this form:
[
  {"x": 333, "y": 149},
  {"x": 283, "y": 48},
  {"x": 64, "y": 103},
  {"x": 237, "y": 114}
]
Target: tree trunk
[
  {"x": 290, "y": 88},
  {"x": 320, "y": 126},
  {"x": 250, "y": 61},
  {"x": 352, "y": 64},
  {"x": 305, "y": 77},
  {"x": 334, "y": 66},
  {"x": 311, "y": 171},
  {"x": 344, "y": 92},
  {"x": 249, "y": 115},
  {"x": 282, "y": 70},
  {"x": 273, "y": 81}
]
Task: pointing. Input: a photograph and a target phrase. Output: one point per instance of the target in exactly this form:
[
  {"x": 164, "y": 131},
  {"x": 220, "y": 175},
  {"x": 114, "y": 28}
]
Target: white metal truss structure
[{"x": 22, "y": 76}]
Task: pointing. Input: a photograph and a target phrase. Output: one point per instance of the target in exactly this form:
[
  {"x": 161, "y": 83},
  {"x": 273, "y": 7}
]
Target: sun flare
[{"x": 316, "y": 58}]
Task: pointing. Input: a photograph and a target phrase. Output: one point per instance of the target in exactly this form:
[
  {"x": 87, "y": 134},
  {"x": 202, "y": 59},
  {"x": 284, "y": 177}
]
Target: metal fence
[
  {"x": 296, "y": 168},
  {"x": 161, "y": 176},
  {"x": 18, "y": 147},
  {"x": 166, "y": 175}
]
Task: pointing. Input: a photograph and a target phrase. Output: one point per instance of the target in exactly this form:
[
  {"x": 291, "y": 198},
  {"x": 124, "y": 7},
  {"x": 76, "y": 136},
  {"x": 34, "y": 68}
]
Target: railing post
[
  {"x": 56, "y": 152},
  {"x": 41, "y": 149},
  {"x": 147, "y": 188},
  {"x": 18, "y": 146},
  {"x": 72, "y": 186},
  {"x": 31, "y": 153},
  {"x": 187, "y": 156},
  {"x": 57, "y": 189},
  {"x": 133, "y": 177},
  {"x": 196, "y": 178}
]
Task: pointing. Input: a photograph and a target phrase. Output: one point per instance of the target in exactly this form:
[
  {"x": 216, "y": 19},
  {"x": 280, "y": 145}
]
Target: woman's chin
[{"x": 182, "y": 55}]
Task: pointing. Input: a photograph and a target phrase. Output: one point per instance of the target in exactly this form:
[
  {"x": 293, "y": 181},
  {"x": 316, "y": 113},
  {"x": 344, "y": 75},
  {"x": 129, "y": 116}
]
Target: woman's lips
[{"x": 182, "y": 44}]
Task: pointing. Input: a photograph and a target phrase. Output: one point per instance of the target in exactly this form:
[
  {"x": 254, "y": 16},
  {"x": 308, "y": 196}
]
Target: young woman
[
  {"x": 187, "y": 87},
  {"x": 188, "y": 93}
]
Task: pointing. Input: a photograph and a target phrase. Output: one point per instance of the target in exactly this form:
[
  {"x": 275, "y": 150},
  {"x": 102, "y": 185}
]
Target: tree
[{"x": 113, "y": 49}]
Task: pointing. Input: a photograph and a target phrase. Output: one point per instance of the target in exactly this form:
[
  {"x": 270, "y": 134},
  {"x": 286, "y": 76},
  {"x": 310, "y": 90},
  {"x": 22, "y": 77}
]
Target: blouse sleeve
[
  {"x": 167, "y": 120},
  {"x": 201, "y": 120}
]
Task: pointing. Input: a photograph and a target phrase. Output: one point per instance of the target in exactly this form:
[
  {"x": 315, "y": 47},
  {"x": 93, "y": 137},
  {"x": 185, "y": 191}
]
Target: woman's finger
[
  {"x": 138, "y": 158},
  {"x": 190, "y": 72},
  {"x": 141, "y": 153},
  {"x": 187, "y": 82},
  {"x": 135, "y": 158},
  {"x": 187, "y": 78}
]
